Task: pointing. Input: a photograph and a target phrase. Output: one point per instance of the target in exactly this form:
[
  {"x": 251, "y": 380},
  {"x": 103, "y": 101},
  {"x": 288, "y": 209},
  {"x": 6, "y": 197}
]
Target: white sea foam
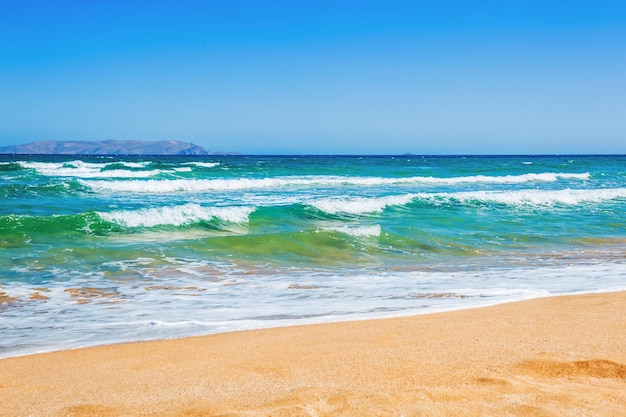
[
  {"x": 169, "y": 186},
  {"x": 181, "y": 185},
  {"x": 537, "y": 198},
  {"x": 195, "y": 299},
  {"x": 534, "y": 198},
  {"x": 357, "y": 231},
  {"x": 132, "y": 164},
  {"x": 360, "y": 205},
  {"x": 80, "y": 169},
  {"x": 485, "y": 179},
  {"x": 54, "y": 165},
  {"x": 176, "y": 215},
  {"x": 203, "y": 164},
  {"x": 503, "y": 179},
  {"x": 114, "y": 173}
]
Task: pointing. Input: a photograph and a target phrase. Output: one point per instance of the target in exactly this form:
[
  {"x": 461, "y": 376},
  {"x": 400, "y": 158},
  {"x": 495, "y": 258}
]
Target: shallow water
[{"x": 97, "y": 250}]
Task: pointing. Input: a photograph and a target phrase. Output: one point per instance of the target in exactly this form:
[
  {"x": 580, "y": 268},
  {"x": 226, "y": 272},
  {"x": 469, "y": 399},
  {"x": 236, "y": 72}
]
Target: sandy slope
[{"x": 561, "y": 356}]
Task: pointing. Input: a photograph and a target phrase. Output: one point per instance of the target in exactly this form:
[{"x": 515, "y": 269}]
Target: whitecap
[
  {"x": 360, "y": 205},
  {"x": 203, "y": 164},
  {"x": 356, "y": 231},
  {"x": 536, "y": 198},
  {"x": 196, "y": 185},
  {"x": 177, "y": 215},
  {"x": 82, "y": 169}
]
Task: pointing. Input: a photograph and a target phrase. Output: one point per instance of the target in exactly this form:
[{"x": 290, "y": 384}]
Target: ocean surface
[{"x": 99, "y": 250}]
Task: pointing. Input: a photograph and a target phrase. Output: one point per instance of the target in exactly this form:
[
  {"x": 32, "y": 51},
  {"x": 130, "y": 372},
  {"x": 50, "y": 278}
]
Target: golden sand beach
[{"x": 558, "y": 356}]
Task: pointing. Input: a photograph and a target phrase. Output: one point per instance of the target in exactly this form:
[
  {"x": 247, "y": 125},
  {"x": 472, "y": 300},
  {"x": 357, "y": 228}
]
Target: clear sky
[{"x": 382, "y": 77}]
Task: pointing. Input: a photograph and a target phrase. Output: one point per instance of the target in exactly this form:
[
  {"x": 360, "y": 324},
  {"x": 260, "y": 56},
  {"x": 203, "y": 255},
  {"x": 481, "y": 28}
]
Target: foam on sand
[{"x": 557, "y": 356}]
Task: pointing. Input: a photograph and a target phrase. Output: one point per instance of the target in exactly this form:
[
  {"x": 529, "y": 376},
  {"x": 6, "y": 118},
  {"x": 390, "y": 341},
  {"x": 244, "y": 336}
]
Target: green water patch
[
  {"x": 78, "y": 259},
  {"x": 306, "y": 247},
  {"x": 420, "y": 243},
  {"x": 10, "y": 167},
  {"x": 30, "y": 189},
  {"x": 353, "y": 246},
  {"x": 293, "y": 217},
  {"x": 36, "y": 229}
]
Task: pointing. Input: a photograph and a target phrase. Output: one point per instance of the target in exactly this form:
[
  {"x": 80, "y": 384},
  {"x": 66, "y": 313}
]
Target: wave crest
[
  {"x": 82, "y": 169},
  {"x": 518, "y": 198},
  {"x": 196, "y": 185},
  {"x": 356, "y": 231},
  {"x": 177, "y": 215},
  {"x": 537, "y": 198},
  {"x": 360, "y": 205}
]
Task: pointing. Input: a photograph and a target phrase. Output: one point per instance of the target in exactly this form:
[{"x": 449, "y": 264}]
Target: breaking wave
[
  {"x": 360, "y": 205},
  {"x": 176, "y": 215},
  {"x": 191, "y": 185},
  {"x": 519, "y": 198},
  {"x": 80, "y": 169},
  {"x": 356, "y": 231}
]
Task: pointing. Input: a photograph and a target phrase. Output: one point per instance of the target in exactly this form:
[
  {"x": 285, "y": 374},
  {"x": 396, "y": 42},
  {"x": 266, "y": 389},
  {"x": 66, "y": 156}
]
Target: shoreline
[
  {"x": 382, "y": 316},
  {"x": 557, "y": 355}
]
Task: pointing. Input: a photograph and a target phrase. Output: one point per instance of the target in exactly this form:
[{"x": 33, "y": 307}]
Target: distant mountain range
[{"x": 108, "y": 147}]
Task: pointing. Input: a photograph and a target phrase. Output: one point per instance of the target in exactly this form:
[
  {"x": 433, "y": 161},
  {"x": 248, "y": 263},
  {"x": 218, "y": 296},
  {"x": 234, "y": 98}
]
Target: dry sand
[{"x": 560, "y": 356}]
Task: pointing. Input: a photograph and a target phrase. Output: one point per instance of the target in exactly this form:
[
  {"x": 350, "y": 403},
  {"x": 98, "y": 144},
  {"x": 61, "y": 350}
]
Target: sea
[{"x": 98, "y": 250}]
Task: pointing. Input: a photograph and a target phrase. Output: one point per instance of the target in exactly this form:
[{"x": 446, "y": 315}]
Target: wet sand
[{"x": 559, "y": 356}]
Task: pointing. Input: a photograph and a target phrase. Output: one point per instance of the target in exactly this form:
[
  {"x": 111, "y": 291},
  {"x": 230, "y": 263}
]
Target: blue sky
[{"x": 371, "y": 77}]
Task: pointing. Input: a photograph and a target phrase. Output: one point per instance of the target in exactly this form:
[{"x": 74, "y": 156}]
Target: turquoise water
[{"x": 98, "y": 250}]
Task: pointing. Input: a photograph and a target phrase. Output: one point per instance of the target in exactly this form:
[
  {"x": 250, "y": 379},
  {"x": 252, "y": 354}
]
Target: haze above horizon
[{"x": 321, "y": 77}]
